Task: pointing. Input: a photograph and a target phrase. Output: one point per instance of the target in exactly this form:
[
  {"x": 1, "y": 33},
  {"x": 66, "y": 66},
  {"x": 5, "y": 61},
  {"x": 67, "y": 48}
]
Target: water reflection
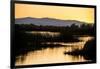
[
  {"x": 53, "y": 34},
  {"x": 54, "y": 55}
]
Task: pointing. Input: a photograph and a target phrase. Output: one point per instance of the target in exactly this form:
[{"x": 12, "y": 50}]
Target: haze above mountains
[{"x": 47, "y": 21}]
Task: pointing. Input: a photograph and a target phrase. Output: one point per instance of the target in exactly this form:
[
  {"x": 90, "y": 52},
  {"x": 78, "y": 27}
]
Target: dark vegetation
[
  {"x": 89, "y": 51},
  {"x": 25, "y": 42}
]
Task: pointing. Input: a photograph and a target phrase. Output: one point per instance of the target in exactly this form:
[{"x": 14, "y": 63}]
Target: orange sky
[{"x": 58, "y": 12}]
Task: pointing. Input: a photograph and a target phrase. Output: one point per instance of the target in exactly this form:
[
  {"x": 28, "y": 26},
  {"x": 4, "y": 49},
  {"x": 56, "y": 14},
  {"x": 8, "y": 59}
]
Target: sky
[{"x": 57, "y": 12}]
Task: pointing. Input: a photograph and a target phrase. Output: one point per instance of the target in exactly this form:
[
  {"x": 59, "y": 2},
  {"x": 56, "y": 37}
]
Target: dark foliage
[
  {"x": 25, "y": 42},
  {"x": 89, "y": 51}
]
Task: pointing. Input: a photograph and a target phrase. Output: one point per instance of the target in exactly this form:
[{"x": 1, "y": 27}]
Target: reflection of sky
[
  {"x": 53, "y": 34},
  {"x": 48, "y": 56},
  {"x": 54, "y": 55}
]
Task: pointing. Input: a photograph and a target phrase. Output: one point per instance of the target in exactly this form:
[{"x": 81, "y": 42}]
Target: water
[
  {"x": 53, "y": 34},
  {"x": 54, "y": 55}
]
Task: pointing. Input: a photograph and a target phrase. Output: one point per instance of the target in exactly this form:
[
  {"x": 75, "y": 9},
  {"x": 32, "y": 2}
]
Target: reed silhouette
[
  {"x": 25, "y": 42},
  {"x": 89, "y": 51}
]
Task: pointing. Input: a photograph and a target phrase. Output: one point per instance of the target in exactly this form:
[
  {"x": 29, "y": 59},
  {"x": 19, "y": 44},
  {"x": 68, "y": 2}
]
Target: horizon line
[{"x": 55, "y": 19}]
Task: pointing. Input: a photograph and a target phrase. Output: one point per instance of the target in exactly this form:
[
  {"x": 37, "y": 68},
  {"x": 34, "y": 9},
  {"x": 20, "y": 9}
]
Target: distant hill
[{"x": 47, "y": 21}]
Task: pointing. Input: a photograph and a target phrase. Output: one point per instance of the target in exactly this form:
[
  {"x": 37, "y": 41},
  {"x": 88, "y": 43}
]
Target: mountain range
[{"x": 47, "y": 21}]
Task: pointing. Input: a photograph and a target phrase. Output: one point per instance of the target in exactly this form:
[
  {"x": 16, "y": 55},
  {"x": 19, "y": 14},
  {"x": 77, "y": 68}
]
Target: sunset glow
[{"x": 58, "y": 12}]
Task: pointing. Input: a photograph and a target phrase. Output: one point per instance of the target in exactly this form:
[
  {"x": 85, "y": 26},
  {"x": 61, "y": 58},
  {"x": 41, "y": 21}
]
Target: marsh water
[{"x": 55, "y": 54}]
